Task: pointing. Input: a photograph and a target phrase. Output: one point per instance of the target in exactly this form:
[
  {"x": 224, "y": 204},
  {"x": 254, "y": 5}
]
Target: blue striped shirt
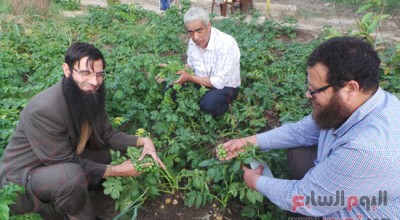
[{"x": 357, "y": 170}]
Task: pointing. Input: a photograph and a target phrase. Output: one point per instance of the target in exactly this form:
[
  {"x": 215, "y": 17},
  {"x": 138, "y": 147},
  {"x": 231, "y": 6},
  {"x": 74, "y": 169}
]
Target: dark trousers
[
  {"x": 301, "y": 160},
  {"x": 217, "y": 101},
  {"x": 66, "y": 185}
]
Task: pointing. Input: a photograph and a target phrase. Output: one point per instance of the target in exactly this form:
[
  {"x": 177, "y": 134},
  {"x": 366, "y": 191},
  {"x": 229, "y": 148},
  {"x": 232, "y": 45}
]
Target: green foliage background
[{"x": 134, "y": 41}]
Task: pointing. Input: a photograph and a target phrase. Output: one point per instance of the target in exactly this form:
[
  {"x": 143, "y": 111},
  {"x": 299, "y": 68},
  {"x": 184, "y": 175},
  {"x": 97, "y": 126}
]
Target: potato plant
[
  {"x": 146, "y": 165},
  {"x": 167, "y": 71},
  {"x": 272, "y": 73},
  {"x": 8, "y": 196},
  {"x": 221, "y": 152}
]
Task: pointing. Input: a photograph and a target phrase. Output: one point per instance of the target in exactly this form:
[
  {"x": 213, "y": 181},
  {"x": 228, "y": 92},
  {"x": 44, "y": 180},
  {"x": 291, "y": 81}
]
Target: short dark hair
[
  {"x": 79, "y": 50},
  {"x": 348, "y": 58}
]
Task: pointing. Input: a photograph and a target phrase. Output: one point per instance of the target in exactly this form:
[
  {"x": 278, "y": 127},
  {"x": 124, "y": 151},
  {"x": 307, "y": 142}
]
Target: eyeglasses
[
  {"x": 315, "y": 91},
  {"x": 86, "y": 74}
]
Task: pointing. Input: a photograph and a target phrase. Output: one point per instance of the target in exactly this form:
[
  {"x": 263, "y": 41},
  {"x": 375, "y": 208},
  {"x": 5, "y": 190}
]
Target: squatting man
[
  {"x": 355, "y": 126},
  {"x": 61, "y": 146}
]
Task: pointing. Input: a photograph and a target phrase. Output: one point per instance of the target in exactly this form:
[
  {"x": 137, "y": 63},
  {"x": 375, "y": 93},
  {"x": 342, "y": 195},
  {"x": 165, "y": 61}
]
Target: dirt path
[{"x": 311, "y": 15}]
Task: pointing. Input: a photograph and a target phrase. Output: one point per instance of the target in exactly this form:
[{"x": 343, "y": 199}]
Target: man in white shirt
[{"x": 214, "y": 57}]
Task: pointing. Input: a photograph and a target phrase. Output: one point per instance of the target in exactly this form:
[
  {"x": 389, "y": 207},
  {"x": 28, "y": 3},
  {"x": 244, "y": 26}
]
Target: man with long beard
[
  {"x": 355, "y": 172},
  {"x": 61, "y": 146}
]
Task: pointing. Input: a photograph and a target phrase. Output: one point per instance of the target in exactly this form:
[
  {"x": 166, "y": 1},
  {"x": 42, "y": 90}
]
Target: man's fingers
[
  {"x": 245, "y": 168},
  {"x": 160, "y": 80},
  {"x": 161, "y": 164},
  {"x": 147, "y": 164}
]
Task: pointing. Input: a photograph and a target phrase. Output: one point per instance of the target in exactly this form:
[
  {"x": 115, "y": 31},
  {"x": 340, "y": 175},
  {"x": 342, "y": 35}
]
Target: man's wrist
[
  {"x": 139, "y": 142},
  {"x": 251, "y": 140}
]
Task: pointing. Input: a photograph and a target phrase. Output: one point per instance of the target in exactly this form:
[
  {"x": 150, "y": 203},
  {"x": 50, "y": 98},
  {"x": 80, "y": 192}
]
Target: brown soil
[{"x": 161, "y": 209}]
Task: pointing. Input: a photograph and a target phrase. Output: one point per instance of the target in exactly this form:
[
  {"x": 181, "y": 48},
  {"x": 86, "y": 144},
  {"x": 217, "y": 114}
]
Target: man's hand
[
  {"x": 158, "y": 78},
  {"x": 150, "y": 149},
  {"x": 124, "y": 169},
  {"x": 184, "y": 77},
  {"x": 234, "y": 146},
  {"x": 251, "y": 176}
]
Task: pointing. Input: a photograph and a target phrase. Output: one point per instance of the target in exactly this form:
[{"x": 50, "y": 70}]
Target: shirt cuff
[{"x": 107, "y": 173}]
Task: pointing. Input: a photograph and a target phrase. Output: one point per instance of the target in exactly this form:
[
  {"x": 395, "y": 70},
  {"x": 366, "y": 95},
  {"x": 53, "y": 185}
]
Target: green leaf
[
  {"x": 7, "y": 201},
  {"x": 367, "y": 18},
  {"x": 236, "y": 166},
  {"x": 248, "y": 160},
  {"x": 206, "y": 163},
  {"x": 190, "y": 200},
  {"x": 373, "y": 26},
  {"x": 242, "y": 193},
  {"x": 108, "y": 191},
  {"x": 196, "y": 183},
  {"x": 212, "y": 172},
  {"x": 115, "y": 194},
  {"x": 198, "y": 201},
  {"x": 383, "y": 17},
  {"x": 4, "y": 215},
  {"x": 4, "y": 209},
  {"x": 363, "y": 8},
  {"x": 250, "y": 196},
  {"x": 259, "y": 197}
]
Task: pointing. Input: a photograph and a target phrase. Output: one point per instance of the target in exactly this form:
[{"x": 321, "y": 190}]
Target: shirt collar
[
  {"x": 372, "y": 103},
  {"x": 212, "y": 41}
]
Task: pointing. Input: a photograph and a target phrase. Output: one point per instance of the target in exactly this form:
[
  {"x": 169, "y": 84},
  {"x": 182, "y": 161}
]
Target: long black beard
[
  {"x": 333, "y": 115},
  {"x": 83, "y": 106}
]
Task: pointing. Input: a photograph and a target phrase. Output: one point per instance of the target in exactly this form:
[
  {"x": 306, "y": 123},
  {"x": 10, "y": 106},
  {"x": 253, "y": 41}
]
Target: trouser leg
[
  {"x": 300, "y": 160},
  {"x": 164, "y": 4},
  {"x": 216, "y": 101},
  {"x": 65, "y": 185}
]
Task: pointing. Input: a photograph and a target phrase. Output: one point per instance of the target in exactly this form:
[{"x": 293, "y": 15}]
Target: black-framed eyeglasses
[
  {"x": 86, "y": 74},
  {"x": 315, "y": 91}
]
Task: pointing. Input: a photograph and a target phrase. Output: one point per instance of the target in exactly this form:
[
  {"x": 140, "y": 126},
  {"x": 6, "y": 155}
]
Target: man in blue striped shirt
[{"x": 356, "y": 172}]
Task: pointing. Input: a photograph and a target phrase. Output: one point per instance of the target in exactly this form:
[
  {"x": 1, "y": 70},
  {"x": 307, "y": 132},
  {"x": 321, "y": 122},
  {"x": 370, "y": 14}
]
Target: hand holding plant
[
  {"x": 184, "y": 76},
  {"x": 126, "y": 168},
  {"x": 166, "y": 72},
  {"x": 150, "y": 149},
  {"x": 234, "y": 146}
]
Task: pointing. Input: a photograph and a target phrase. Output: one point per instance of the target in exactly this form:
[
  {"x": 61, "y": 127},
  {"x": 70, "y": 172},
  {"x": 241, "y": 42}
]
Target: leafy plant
[
  {"x": 167, "y": 72},
  {"x": 70, "y": 5},
  {"x": 372, "y": 14},
  {"x": 8, "y": 196},
  {"x": 131, "y": 192},
  {"x": 272, "y": 73}
]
